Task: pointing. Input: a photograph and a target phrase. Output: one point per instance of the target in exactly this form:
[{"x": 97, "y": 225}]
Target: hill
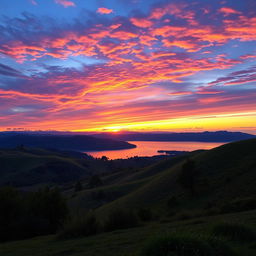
[
  {"x": 62, "y": 142},
  {"x": 218, "y": 136},
  {"x": 226, "y": 173},
  {"x": 224, "y": 199},
  {"x": 36, "y": 166},
  {"x": 23, "y": 166}
]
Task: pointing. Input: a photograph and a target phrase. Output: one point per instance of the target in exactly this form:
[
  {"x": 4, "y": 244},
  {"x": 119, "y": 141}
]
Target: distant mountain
[
  {"x": 219, "y": 136},
  {"x": 62, "y": 142}
]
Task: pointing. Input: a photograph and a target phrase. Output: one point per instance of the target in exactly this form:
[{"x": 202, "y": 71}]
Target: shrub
[
  {"x": 49, "y": 205},
  {"x": 220, "y": 248},
  {"x": 212, "y": 211},
  {"x": 145, "y": 214},
  {"x": 120, "y": 219},
  {"x": 98, "y": 195},
  {"x": 172, "y": 202},
  {"x": 185, "y": 245},
  {"x": 239, "y": 205},
  {"x": 188, "y": 176},
  {"x": 235, "y": 232},
  {"x": 29, "y": 214},
  {"x": 95, "y": 181},
  {"x": 79, "y": 226},
  {"x": 184, "y": 215}
]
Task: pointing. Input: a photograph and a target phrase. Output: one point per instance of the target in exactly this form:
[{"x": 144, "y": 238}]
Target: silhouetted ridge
[
  {"x": 219, "y": 136},
  {"x": 63, "y": 142}
]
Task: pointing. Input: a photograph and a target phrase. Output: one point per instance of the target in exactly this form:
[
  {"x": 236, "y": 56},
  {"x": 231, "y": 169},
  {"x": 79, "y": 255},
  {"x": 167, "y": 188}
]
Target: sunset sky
[{"x": 137, "y": 65}]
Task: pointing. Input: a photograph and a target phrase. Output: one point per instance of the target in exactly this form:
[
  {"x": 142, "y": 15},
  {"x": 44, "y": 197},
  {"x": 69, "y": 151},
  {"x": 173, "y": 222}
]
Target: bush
[
  {"x": 29, "y": 214},
  {"x": 79, "y": 226},
  {"x": 188, "y": 176},
  {"x": 95, "y": 181},
  {"x": 121, "y": 219},
  {"x": 145, "y": 214},
  {"x": 239, "y": 205},
  {"x": 50, "y": 205},
  {"x": 172, "y": 202},
  {"x": 235, "y": 232},
  {"x": 220, "y": 248},
  {"x": 185, "y": 245}
]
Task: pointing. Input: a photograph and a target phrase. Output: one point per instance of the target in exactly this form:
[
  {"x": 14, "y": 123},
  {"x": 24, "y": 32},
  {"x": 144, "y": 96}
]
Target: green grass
[
  {"x": 23, "y": 168},
  {"x": 227, "y": 175},
  {"x": 186, "y": 244},
  {"x": 125, "y": 242},
  {"x": 235, "y": 232}
]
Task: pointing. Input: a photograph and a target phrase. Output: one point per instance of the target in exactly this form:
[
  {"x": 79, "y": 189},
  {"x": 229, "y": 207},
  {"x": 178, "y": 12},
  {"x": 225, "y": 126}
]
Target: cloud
[
  {"x": 167, "y": 63},
  {"x": 227, "y": 11},
  {"x": 103, "y": 10},
  {"x": 9, "y": 71},
  {"x": 65, "y": 3},
  {"x": 33, "y": 2},
  {"x": 237, "y": 78},
  {"x": 141, "y": 22}
]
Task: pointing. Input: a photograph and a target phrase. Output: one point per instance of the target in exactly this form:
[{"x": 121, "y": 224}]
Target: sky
[{"x": 133, "y": 65}]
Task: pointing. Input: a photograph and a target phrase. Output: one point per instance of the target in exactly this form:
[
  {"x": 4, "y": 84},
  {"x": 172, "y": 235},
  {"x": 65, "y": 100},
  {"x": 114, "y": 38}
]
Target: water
[{"x": 150, "y": 148}]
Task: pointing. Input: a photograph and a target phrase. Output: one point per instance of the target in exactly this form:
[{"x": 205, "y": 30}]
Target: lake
[{"x": 150, "y": 148}]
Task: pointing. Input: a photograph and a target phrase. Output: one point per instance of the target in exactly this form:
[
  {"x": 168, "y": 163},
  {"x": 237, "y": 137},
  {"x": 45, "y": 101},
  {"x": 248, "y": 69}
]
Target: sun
[{"x": 115, "y": 130}]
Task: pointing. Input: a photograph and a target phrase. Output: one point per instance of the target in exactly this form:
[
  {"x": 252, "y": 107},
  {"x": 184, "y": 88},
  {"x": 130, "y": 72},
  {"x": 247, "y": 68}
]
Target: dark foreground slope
[
  {"x": 62, "y": 142},
  {"x": 222, "y": 207}
]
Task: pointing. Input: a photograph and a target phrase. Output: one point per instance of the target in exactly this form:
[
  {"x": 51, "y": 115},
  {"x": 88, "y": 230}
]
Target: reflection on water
[{"x": 150, "y": 148}]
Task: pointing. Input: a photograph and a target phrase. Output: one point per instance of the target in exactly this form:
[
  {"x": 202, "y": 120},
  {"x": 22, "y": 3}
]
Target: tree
[
  {"x": 188, "y": 176},
  {"x": 104, "y": 158},
  {"x": 50, "y": 205}
]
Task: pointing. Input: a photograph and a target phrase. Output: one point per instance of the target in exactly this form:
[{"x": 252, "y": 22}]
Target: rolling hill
[
  {"x": 225, "y": 173},
  {"x": 225, "y": 192},
  {"x": 218, "y": 136},
  {"x": 62, "y": 142}
]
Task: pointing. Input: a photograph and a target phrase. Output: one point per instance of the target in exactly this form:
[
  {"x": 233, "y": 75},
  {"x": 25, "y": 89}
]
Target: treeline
[{"x": 28, "y": 214}]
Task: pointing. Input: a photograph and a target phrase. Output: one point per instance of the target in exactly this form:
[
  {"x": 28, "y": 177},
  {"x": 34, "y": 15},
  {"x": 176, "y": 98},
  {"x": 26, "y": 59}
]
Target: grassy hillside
[
  {"x": 225, "y": 173},
  {"x": 128, "y": 242},
  {"x": 24, "y": 166},
  {"x": 222, "y": 206},
  {"x": 21, "y": 168}
]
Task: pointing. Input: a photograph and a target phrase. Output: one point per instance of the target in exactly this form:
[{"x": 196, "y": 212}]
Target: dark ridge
[
  {"x": 218, "y": 136},
  {"x": 63, "y": 142}
]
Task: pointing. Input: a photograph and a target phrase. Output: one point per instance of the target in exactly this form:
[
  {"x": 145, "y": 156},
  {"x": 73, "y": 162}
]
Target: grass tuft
[
  {"x": 185, "y": 245},
  {"x": 235, "y": 232},
  {"x": 79, "y": 226}
]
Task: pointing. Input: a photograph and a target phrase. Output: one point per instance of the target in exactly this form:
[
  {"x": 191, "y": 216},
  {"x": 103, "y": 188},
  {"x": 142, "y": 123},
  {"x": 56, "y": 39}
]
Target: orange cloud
[
  {"x": 140, "y": 22},
  {"x": 228, "y": 10},
  {"x": 103, "y": 10}
]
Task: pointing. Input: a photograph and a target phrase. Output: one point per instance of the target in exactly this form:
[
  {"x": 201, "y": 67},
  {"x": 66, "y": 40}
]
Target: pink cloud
[
  {"x": 65, "y": 3},
  {"x": 33, "y": 2},
  {"x": 227, "y": 11},
  {"x": 103, "y": 10},
  {"x": 140, "y": 22}
]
